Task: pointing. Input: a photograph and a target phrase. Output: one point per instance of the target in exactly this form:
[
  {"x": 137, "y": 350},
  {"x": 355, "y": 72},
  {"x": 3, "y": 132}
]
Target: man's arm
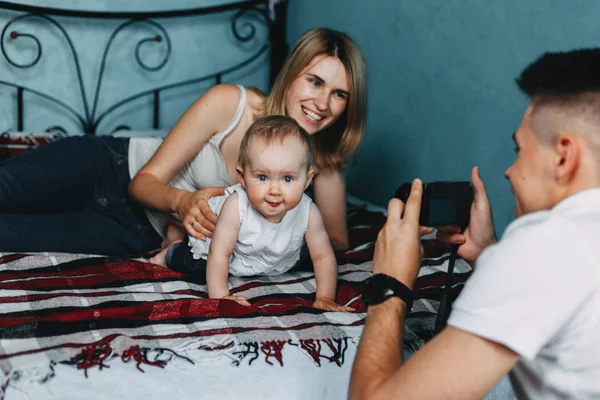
[{"x": 455, "y": 364}]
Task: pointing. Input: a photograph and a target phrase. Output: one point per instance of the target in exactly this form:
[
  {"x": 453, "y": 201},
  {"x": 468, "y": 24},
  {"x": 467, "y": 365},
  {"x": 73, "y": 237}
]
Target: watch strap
[{"x": 389, "y": 287}]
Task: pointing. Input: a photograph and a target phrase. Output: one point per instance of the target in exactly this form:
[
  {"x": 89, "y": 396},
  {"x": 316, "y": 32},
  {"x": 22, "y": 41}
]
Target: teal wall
[
  {"x": 441, "y": 76},
  {"x": 441, "y": 82}
]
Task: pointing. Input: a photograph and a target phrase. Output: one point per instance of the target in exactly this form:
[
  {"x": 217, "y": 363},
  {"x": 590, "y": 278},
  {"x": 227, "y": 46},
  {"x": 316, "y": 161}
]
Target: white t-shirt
[
  {"x": 538, "y": 292},
  {"x": 262, "y": 247}
]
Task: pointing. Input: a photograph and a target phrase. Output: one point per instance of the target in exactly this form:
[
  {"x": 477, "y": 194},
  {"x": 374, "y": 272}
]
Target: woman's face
[{"x": 319, "y": 95}]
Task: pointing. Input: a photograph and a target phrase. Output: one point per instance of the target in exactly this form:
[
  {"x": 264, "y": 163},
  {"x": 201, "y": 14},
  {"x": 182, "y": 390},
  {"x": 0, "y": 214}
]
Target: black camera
[{"x": 443, "y": 203}]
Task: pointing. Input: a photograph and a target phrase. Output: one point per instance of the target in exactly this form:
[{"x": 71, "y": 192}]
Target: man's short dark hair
[
  {"x": 562, "y": 74},
  {"x": 565, "y": 92}
]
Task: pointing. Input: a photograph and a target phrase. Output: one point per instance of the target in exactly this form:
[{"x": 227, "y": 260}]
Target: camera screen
[{"x": 442, "y": 210}]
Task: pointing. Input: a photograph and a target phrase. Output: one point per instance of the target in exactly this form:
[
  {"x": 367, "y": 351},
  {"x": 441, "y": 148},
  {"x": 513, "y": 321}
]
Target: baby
[{"x": 264, "y": 220}]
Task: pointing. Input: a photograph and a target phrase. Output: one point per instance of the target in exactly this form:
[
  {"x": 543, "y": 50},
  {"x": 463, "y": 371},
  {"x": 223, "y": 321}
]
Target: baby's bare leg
[
  {"x": 174, "y": 234},
  {"x": 160, "y": 258}
]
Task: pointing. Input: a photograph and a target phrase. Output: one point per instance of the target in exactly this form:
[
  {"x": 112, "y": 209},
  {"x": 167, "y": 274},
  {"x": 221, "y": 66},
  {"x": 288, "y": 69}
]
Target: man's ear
[
  {"x": 568, "y": 150},
  {"x": 310, "y": 176},
  {"x": 240, "y": 172}
]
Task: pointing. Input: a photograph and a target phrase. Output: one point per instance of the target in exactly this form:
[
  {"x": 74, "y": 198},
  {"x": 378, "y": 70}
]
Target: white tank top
[
  {"x": 262, "y": 247},
  {"x": 207, "y": 169}
]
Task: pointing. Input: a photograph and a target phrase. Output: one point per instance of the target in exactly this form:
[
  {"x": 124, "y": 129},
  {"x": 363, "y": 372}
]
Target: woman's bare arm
[
  {"x": 330, "y": 197},
  {"x": 208, "y": 115}
]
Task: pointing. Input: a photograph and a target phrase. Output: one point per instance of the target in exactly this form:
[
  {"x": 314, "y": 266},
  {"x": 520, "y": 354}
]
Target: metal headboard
[{"x": 272, "y": 12}]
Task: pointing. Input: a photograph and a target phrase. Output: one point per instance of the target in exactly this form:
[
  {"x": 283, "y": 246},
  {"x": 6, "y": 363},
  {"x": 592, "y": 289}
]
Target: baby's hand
[
  {"x": 238, "y": 299},
  {"x": 328, "y": 304}
]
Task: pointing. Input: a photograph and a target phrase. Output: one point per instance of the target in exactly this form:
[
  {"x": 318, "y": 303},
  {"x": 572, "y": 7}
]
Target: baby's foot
[{"x": 161, "y": 257}]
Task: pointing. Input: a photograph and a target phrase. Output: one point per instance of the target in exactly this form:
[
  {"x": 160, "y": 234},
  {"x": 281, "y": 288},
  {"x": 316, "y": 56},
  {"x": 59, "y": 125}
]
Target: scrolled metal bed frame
[{"x": 271, "y": 12}]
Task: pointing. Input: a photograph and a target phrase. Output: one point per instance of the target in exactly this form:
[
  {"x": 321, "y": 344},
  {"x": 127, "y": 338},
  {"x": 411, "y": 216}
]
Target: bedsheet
[{"x": 86, "y": 313}]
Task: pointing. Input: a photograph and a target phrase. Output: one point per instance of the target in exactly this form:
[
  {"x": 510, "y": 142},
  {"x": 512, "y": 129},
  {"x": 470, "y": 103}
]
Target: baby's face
[{"x": 275, "y": 176}]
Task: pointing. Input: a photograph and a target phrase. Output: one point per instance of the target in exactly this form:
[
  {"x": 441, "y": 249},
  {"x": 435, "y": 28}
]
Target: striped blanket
[{"x": 84, "y": 309}]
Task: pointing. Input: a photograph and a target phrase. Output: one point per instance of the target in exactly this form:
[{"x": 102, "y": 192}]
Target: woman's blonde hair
[{"x": 336, "y": 145}]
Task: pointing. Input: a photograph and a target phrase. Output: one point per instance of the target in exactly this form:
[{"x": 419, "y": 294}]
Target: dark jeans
[
  {"x": 179, "y": 258},
  {"x": 71, "y": 196}
]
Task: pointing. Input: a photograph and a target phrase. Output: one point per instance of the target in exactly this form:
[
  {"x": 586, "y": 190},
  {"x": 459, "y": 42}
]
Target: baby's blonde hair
[{"x": 275, "y": 128}]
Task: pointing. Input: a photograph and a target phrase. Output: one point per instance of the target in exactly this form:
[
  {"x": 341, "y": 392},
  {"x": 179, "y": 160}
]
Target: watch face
[{"x": 377, "y": 289}]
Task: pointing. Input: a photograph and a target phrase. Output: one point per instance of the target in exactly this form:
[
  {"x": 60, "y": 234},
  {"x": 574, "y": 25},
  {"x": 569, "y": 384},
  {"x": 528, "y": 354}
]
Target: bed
[{"x": 78, "y": 326}]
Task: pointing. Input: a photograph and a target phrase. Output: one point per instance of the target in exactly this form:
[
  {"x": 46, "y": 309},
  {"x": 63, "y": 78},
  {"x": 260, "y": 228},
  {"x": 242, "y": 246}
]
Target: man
[{"x": 532, "y": 305}]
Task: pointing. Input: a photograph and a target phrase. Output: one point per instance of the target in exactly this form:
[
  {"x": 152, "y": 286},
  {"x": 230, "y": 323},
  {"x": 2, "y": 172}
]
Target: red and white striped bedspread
[{"x": 83, "y": 309}]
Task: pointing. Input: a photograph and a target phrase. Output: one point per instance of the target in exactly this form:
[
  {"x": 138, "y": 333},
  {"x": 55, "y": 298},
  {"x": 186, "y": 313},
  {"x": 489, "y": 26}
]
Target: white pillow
[{"x": 138, "y": 134}]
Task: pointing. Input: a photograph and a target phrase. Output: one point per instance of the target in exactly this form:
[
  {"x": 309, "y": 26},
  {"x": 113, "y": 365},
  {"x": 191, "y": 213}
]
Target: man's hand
[
  {"x": 398, "y": 249},
  {"x": 196, "y": 215},
  {"x": 327, "y": 304},
  {"x": 480, "y": 233}
]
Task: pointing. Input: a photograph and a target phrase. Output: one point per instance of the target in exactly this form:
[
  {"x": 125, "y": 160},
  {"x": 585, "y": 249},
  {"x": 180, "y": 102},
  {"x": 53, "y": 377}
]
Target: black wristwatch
[{"x": 381, "y": 287}]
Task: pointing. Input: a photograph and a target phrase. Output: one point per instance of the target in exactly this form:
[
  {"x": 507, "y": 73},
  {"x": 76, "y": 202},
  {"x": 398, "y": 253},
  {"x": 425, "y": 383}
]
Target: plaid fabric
[
  {"x": 13, "y": 143},
  {"x": 82, "y": 309}
]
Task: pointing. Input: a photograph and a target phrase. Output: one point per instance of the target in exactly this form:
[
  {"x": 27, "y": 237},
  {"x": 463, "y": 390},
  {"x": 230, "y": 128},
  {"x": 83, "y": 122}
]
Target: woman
[{"x": 321, "y": 85}]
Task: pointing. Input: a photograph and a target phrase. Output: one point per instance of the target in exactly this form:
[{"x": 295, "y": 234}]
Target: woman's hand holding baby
[{"x": 196, "y": 215}]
